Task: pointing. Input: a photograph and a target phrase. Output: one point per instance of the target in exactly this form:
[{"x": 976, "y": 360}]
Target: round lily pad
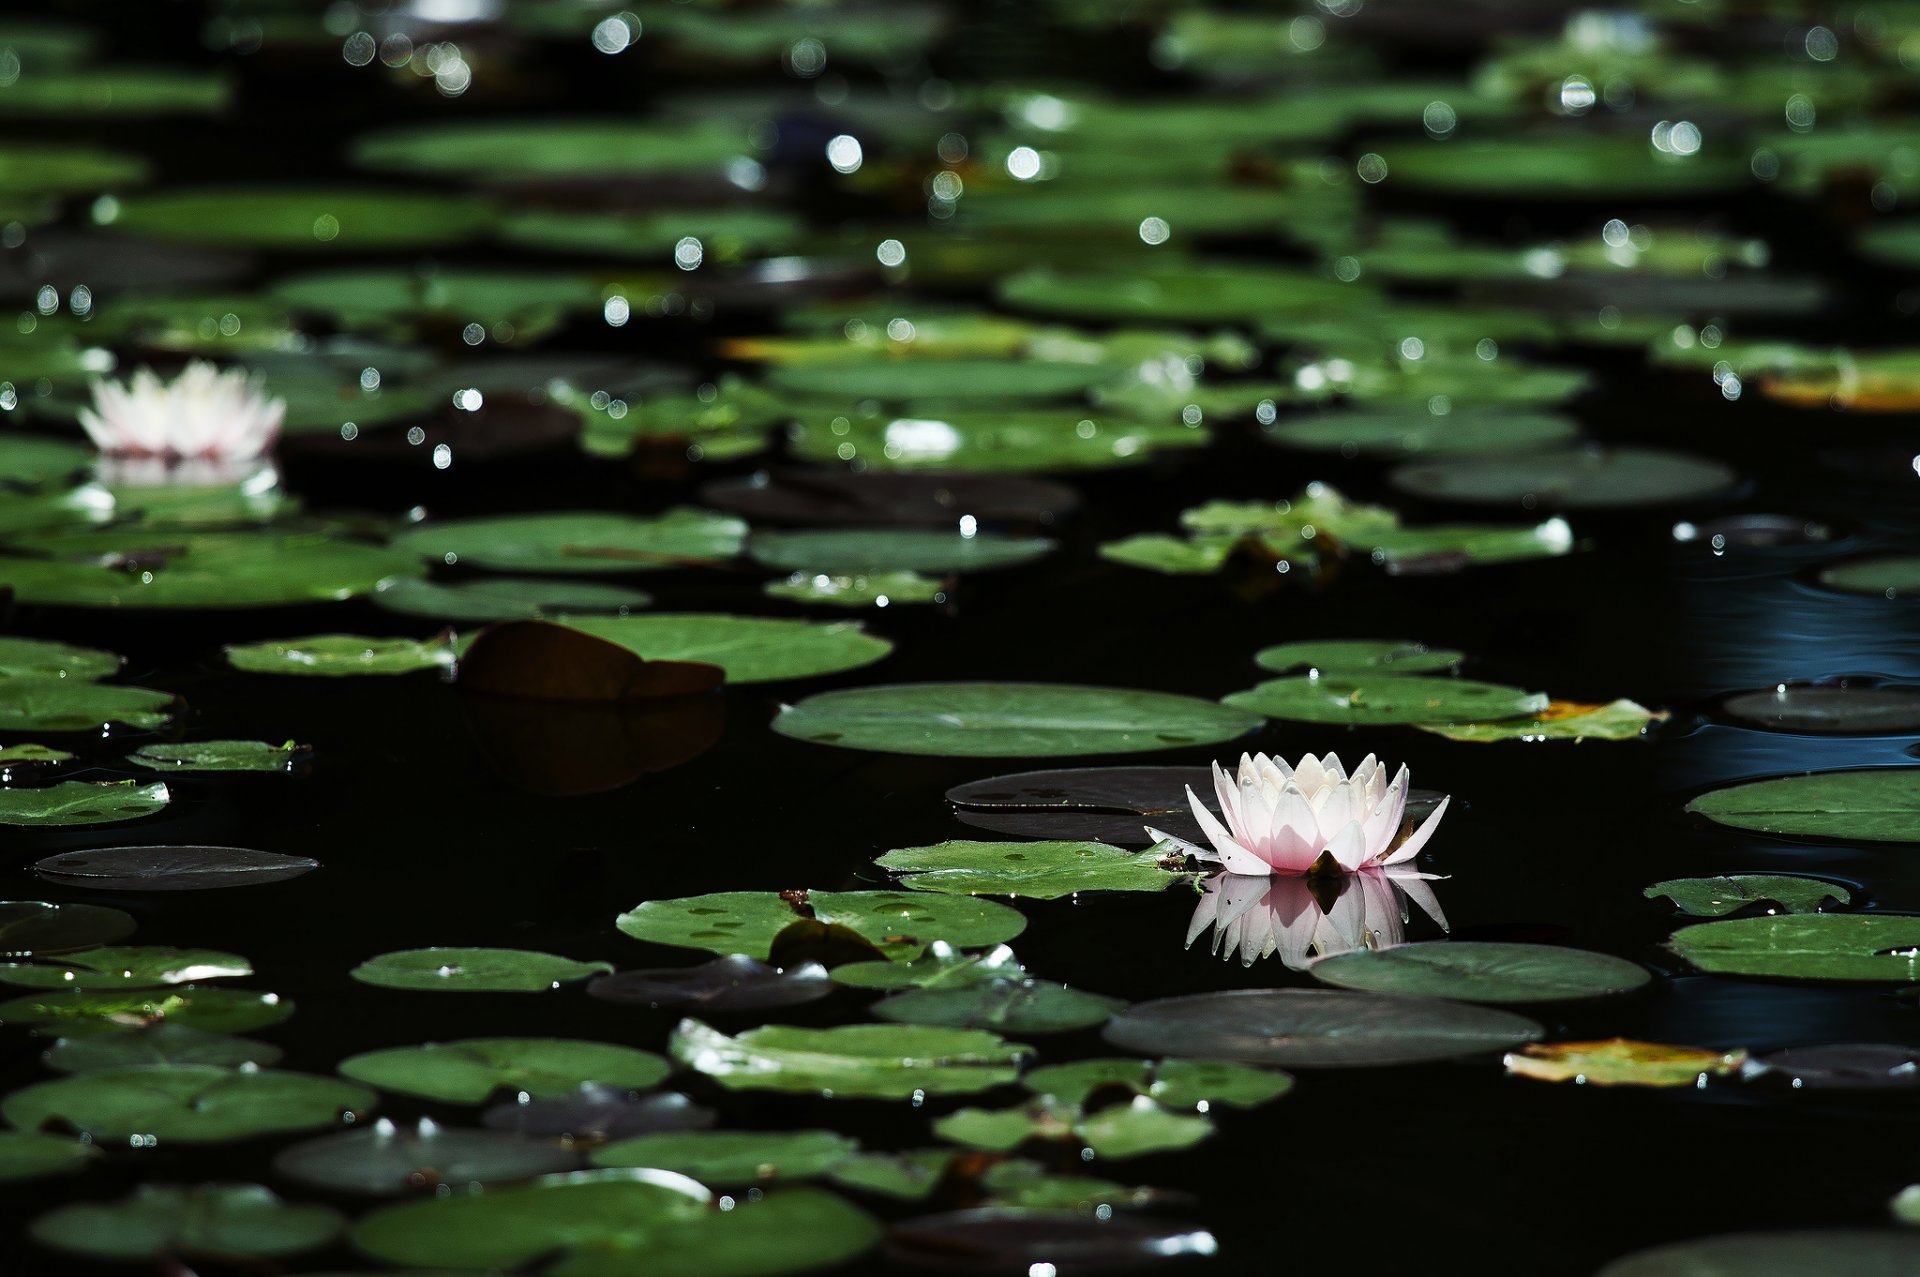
[
  {"x": 1890, "y": 575},
  {"x": 32, "y": 927},
  {"x": 126, "y": 967},
  {"x": 80, "y": 1013},
  {"x": 870, "y": 1061},
  {"x": 1402, "y": 432},
  {"x": 470, "y": 1071},
  {"x": 994, "y": 1240},
  {"x": 1869, "y": 1066},
  {"x": 1882, "y": 1252},
  {"x": 986, "y": 440},
  {"x": 900, "y": 924},
  {"x": 1811, "y": 946},
  {"x": 729, "y": 1158},
  {"x": 81, "y": 802},
  {"x": 1316, "y": 1028},
  {"x": 342, "y": 655},
  {"x": 1174, "y": 1084},
  {"x": 171, "y": 868},
  {"x": 893, "y": 549},
  {"x": 389, "y": 1160},
  {"x": 1111, "y": 804},
  {"x": 1183, "y": 293},
  {"x": 1044, "y": 870},
  {"x": 1357, "y": 658},
  {"x": 900, "y": 500},
  {"x": 1572, "y": 480},
  {"x": 1387, "y": 698},
  {"x": 160, "y": 1043},
  {"x": 47, "y": 658},
  {"x": 54, "y": 704},
  {"x": 1842, "y": 711},
  {"x": 221, "y": 756},
  {"x": 189, "y": 569},
  {"x": 28, "y": 1155},
  {"x": 1881, "y": 805},
  {"x": 1009, "y": 720},
  {"x": 504, "y": 598},
  {"x": 947, "y": 380},
  {"x": 115, "y": 91},
  {"x": 1010, "y": 1006},
  {"x": 474, "y": 970},
  {"x": 313, "y": 219},
  {"x": 552, "y": 148},
  {"x": 188, "y": 1103},
  {"x": 751, "y": 649},
  {"x": 1482, "y": 971},
  {"x": 1545, "y": 167},
  {"x": 585, "y": 542},
  {"x": 1717, "y": 897},
  {"x": 207, "y": 1219}
]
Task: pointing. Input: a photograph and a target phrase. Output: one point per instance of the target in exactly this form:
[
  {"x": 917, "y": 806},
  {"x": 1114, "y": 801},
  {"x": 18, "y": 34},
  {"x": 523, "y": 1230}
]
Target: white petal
[
  {"x": 1418, "y": 839},
  {"x": 1348, "y": 846},
  {"x": 1294, "y": 841},
  {"x": 1309, "y": 775},
  {"x": 1236, "y": 858},
  {"x": 1384, "y": 821}
]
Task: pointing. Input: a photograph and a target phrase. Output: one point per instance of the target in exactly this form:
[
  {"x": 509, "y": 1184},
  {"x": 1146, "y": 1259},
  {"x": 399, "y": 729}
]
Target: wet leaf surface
[
  {"x": 901, "y": 923},
  {"x": 388, "y": 1160},
  {"x": 1005, "y": 1006},
  {"x": 731, "y": 1158},
  {"x": 1718, "y": 897},
  {"x": 130, "y": 967},
  {"x": 1878, "y": 806},
  {"x": 999, "y": 1240},
  {"x": 1846, "y": 711},
  {"x": 1483, "y": 971},
  {"x": 158, "y": 1220},
  {"x": 77, "y": 1013},
  {"x": 872, "y": 1061},
  {"x": 457, "y": 970},
  {"x": 160, "y": 1043},
  {"x": 342, "y": 655},
  {"x": 1819, "y": 946},
  {"x": 1845, "y": 1067},
  {"x": 188, "y": 1103},
  {"x": 1620, "y": 1062},
  {"x": 595, "y": 1114},
  {"x": 222, "y": 756},
  {"x": 1038, "y": 870}
]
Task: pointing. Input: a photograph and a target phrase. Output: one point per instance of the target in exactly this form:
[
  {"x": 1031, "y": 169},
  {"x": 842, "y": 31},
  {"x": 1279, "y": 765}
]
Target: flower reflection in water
[{"x": 1254, "y": 915}]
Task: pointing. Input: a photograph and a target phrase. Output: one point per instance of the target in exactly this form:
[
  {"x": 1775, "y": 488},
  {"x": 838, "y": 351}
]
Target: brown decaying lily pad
[
  {"x": 922, "y": 499},
  {"x": 171, "y": 868}
]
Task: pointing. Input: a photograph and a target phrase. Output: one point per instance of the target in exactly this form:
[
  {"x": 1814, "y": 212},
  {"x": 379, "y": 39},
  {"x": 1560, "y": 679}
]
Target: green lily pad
[
  {"x": 987, "y": 720},
  {"x": 36, "y": 927},
  {"x": 1880, "y": 1252},
  {"x": 856, "y": 1061},
  {"x": 46, "y": 658},
  {"x": 1813, "y": 946},
  {"x": 162, "y": 1043},
  {"x": 206, "y": 1219},
  {"x": 1351, "y": 658},
  {"x": 129, "y": 967},
  {"x": 864, "y": 589},
  {"x": 957, "y": 381},
  {"x": 900, "y": 924},
  {"x": 1881, "y": 805},
  {"x": 76, "y": 1013},
  {"x": 43, "y": 704},
  {"x": 1386, "y": 698},
  {"x": 1546, "y": 167},
  {"x": 618, "y": 1222},
  {"x": 550, "y": 148},
  {"x": 504, "y": 598},
  {"x": 1117, "y": 1132},
  {"x": 1024, "y": 1185},
  {"x": 941, "y": 967},
  {"x": 585, "y": 542},
  {"x": 1388, "y": 432},
  {"x": 1186, "y": 293},
  {"x": 312, "y": 219},
  {"x": 861, "y": 550},
  {"x": 192, "y": 569},
  {"x": 342, "y": 655},
  {"x": 26, "y": 1155},
  {"x": 728, "y": 1158},
  {"x": 1482, "y": 971},
  {"x": 1010, "y": 1006},
  {"x": 380, "y": 298},
  {"x": 1174, "y": 1084},
  {"x": 474, "y": 970},
  {"x": 1718, "y": 897},
  {"x": 67, "y": 170},
  {"x": 911, "y": 1176},
  {"x": 986, "y": 439},
  {"x": 751, "y": 649},
  {"x": 1571, "y": 479},
  {"x": 1039, "y": 870},
  {"x": 81, "y": 802},
  {"x": 29, "y": 755},
  {"x": 469, "y": 1071},
  {"x": 115, "y": 91},
  {"x": 724, "y": 234},
  {"x": 1889, "y": 575},
  {"x": 1561, "y": 720},
  {"x": 220, "y": 756},
  {"x": 185, "y": 1103}
]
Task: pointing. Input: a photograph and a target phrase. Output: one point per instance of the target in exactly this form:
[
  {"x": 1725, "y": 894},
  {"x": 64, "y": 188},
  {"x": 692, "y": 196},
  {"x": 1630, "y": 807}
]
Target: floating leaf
[
  {"x": 1802, "y": 1253},
  {"x": 1891, "y": 575},
  {"x": 1181, "y": 292},
  {"x": 578, "y": 542},
  {"x": 1355, "y": 658},
  {"x": 1717, "y": 897},
  {"x": 870, "y": 1061},
  {"x": 1622, "y": 1062},
  {"x": 1009, "y": 719},
  {"x": 1111, "y": 804},
  {"x": 25, "y": 1155},
  {"x": 1175, "y": 1084},
  {"x": 1039, "y": 870},
  {"x": 159, "y": 1220},
  {"x": 751, "y": 649},
  {"x": 171, "y": 868},
  {"x": 1561, "y": 720},
  {"x": 858, "y": 550},
  {"x": 389, "y": 1160},
  {"x": 469, "y": 1071},
  {"x": 870, "y": 589},
  {"x": 1880, "y": 805},
  {"x": 57, "y": 704},
  {"x": 941, "y": 967},
  {"x": 1315, "y": 1028},
  {"x": 987, "y": 440},
  {"x": 82, "y": 1012},
  {"x": 221, "y": 756},
  {"x": 504, "y": 598},
  {"x": 1570, "y": 480},
  {"x": 1028, "y": 1186},
  {"x": 542, "y": 661},
  {"x": 30, "y": 755},
  {"x": 1841, "y": 711},
  {"x": 339, "y": 655},
  {"x": 595, "y": 1114},
  {"x": 45, "y": 658},
  {"x": 728, "y": 1158},
  {"x": 733, "y": 983},
  {"x": 960, "y": 381},
  {"x": 1118, "y": 1131},
  {"x": 168, "y": 568},
  {"x": 1001, "y": 1240},
  {"x": 1010, "y": 1006},
  {"x": 1482, "y": 971},
  {"x": 188, "y": 1103},
  {"x": 1555, "y": 167},
  {"x": 29, "y": 928},
  {"x": 159, "y": 1043},
  {"x": 1817, "y": 946},
  {"x": 329, "y": 219},
  {"x": 900, "y": 923},
  {"x": 1392, "y": 432},
  {"x": 133, "y": 967},
  {"x": 895, "y": 500},
  {"x": 1387, "y": 698},
  {"x": 548, "y": 148},
  {"x": 474, "y": 970},
  {"x": 1848, "y": 1067}
]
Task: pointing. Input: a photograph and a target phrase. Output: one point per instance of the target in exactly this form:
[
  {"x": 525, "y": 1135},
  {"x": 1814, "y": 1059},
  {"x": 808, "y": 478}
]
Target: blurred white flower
[
  {"x": 1254, "y": 917},
  {"x": 203, "y": 416},
  {"x": 1307, "y": 817}
]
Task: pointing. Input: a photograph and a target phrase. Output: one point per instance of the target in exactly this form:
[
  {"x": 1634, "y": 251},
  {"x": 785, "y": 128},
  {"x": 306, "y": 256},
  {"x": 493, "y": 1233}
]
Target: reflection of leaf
[
  {"x": 1621, "y": 1062},
  {"x": 1717, "y": 897}
]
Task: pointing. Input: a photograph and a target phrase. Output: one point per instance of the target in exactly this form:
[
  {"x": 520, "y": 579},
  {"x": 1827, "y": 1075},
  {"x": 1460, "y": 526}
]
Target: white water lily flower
[
  {"x": 203, "y": 415},
  {"x": 1311, "y": 816},
  {"x": 1302, "y": 918}
]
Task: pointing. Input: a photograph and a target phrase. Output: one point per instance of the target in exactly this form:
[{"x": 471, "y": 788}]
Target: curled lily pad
[
  {"x": 1805, "y": 1253},
  {"x": 1846, "y": 711},
  {"x": 1881, "y": 805},
  {"x": 732, "y": 983},
  {"x": 728, "y": 1158},
  {"x": 578, "y": 542},
  {"x": 900, "y": 924},
  {"x": 1011, "y": 1006},
  {"x": 1009, "y": 719},
  {"x": 1718, "y": 897},
  {"x": 58, "y": 704},
  {"x": 1814, "y": 946},
  {"x": 751, "y": 649},
  {"x": 1482, "y": 971},
  {"x": 468, "y": 1072},
  {"x": 1040, "y": 870},
  {"x": 34, "y": 927},
  {"x": 208, "y": 1219},
  {"x": 872, "y": 1061},
  {"x": 991, "y": 1240},
  {"x": 1315, "y": 1028},
  {"x": 130, "y": 967},
  {"x": 1845, "y": 1067},
  {"x": 337, "y": 655},
  {"x": 388, "y": 1160},
  {"x": 171, "y": 868},
  {"x": 188, "y": 1103},
  {"x": 83, "y": 1012},
  {"x": 595, "y": 1114},
  {"x": 221, "y": 756},
  {"x": 1387, "y": 698},
  {"x": 27, "y": 1155},
  {"x": 159, "y": 1043},
  {"x": 474, "y": 970},
  {"x": 1621, "y": 1062}
]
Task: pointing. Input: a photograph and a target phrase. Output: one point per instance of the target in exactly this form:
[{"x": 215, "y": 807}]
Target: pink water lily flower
[{"x": 1306, "y": 818}]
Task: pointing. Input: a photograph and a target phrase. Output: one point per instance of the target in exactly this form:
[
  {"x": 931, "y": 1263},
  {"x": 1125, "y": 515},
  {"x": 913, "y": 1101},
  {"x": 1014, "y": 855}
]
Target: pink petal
[
  {"x": 1294, "y": 842},
  {"x": 1348, "y": 846},
  {"x": 1237, "y": 859}
]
